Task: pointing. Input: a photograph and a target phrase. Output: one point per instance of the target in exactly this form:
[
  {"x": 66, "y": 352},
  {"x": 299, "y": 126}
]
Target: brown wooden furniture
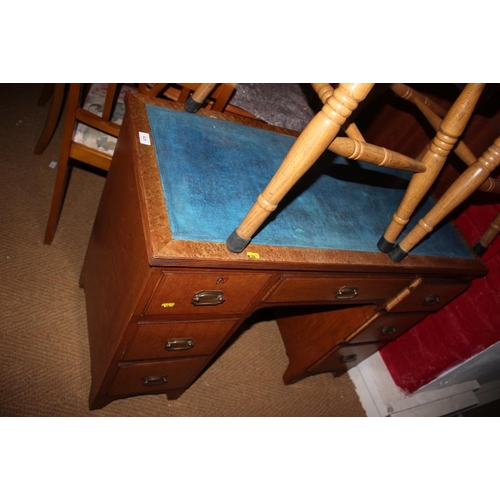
[
  {"x": 477, "y": 177},
  {"x": 321, "y": 133},
  {"x": 103, "y": 122},
  {"x": 160, "y": 306},
  {"x": 450, "y": 130}
]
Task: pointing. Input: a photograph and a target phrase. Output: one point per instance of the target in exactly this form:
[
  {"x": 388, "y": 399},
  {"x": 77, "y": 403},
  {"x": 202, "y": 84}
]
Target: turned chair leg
[
  {"x": 195, "y": 102},
  {"x": 311, "y": 143},
  {"x": 487, "y": 238},
  {"x": 62, "y": 167},
  {"x": 450, "y": 130},
  {"x": 458, "y": 192},
  {"x": 57, "y": 92}
]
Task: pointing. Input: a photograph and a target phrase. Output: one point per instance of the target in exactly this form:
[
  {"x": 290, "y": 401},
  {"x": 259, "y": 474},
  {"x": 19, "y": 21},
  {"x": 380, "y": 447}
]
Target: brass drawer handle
[
  {"x": 431, "y": 300},
  {"x": 350, "y": 358},
  {"x": 179, "y": 344},
  {"x": 155, "y": 380},
  {"x": 387, "y": 330},
  {"x": 208, "y": 298},
  {"x": 347, "y": 292}
]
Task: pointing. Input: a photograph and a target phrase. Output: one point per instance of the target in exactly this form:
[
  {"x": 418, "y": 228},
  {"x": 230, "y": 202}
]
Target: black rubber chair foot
[
  {"x": 191, "y": 106},
  {"x": 397, "y": 254},
  {"x": 479, "y": 249},
  {"x": 236, "y": 243},
  {"x": 384, "y": 246}
]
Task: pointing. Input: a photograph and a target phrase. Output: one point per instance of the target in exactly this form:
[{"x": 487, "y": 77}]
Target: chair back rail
[{"x": 106, "y": 129}]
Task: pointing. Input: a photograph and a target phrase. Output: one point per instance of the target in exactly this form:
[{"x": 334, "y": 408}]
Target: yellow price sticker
[
  {"x": 168, "y": 304},
  {"x": 253, "y": 255}
]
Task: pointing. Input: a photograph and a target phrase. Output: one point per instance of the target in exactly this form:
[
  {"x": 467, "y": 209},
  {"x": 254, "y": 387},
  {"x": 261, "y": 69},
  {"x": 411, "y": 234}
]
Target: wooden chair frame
[
  {"x": 75, "y": 113},
  {"x": 477, "y": 177},
  {"x": 321, "y": 134}
]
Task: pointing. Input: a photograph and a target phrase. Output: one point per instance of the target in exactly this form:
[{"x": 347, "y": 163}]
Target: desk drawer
[
  {"x": 388, "y": 327},
  {"x": 432, "y": 295},
  {"x": 346, "y": 357},
  {"x": 338, "y": 289},
  {"x": 177, "y": 339},
  {"x": 145, "y": 378},
  {"x": 206, "y": 292}
]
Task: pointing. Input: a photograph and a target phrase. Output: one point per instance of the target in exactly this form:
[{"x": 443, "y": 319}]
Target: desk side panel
[{"x": 116, "y": 267}]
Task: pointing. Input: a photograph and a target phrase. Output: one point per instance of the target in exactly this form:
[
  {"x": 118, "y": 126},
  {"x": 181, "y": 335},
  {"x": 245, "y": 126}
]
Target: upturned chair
[
  {"x": 477, "y": 177},
  {"x": 321, "y": 134},
  {"x": 92, "y": 124}
]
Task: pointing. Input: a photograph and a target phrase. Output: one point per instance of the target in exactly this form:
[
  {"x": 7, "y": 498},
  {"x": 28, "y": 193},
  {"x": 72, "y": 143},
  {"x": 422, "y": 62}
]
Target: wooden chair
[
  {"x": 321, "y": 134},
  {"x": 92, "y": 124},
  {"x": 194, "y": 95},
  {"x": 476, "y": 177}
]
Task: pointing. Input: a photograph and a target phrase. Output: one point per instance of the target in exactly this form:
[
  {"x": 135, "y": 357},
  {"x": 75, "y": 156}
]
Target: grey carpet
[
  {"x": 288, "y": 105},
  {"x": 44, "y": 355}
]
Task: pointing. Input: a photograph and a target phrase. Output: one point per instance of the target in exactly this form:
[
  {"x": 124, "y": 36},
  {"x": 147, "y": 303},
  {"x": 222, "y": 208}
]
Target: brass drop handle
[
  {"x": 155, "y": 380},
  {"x": 387, "y": 330},
  {"x": 350, "y": 358},
  {"x": 346, "y": 292},
  {"x": 179, "y": 344},
  {"x": 208, "y": 298},
  {"x": 431, "y": 300}
]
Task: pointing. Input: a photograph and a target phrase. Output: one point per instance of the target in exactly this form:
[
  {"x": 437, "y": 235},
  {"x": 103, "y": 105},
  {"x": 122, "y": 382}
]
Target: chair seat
[{"x": 91, "y": 137}]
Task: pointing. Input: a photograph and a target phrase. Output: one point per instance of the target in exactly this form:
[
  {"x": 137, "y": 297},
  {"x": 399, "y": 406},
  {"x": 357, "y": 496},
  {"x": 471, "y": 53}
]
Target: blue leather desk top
[{"x": 212, "y": 171}]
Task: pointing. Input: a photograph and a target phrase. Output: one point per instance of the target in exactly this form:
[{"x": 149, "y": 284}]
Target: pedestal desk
[{"x": 164, "y": 294}]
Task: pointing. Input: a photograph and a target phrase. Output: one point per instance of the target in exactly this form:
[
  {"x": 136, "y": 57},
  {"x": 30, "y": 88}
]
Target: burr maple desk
[{"x": 164, "y": 294}]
